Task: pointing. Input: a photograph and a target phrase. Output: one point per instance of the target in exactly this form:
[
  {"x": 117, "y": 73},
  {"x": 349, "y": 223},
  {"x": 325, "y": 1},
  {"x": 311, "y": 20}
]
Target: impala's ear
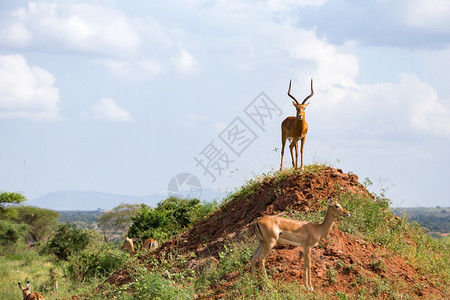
[
  {"x": 330, "y": 201},
  {"x": 305, "y": 105},
  {"x": 293, "y": 103},
  {"x": 28, "y": 285}
]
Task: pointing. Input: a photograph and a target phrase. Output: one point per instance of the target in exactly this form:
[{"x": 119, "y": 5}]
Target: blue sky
[{"x": 121, "y": 96}]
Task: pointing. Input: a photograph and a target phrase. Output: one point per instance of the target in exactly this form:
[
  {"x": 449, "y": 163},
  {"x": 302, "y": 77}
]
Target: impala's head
[
  {"x": 25, "y": 291},
  {"x": 337, "y": 209},
  {"x": 300, "y": 107},
  {"x": 300, "y": 110}
]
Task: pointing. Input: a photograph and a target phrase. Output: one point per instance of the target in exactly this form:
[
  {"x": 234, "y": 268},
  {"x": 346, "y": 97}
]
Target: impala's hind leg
[
  {"x": 283, "y": 143},
  {"x": 255, "y": 256}
]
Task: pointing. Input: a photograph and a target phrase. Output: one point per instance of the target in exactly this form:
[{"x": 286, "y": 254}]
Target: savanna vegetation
[
  {"x": 63, "y": 259},
  {"x": 435, "y": 219}
]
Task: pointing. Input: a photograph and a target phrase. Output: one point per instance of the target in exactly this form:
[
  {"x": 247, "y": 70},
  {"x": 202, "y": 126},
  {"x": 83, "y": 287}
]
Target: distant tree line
[
  {"x": 435, "y": 219},
  {"x": 23, "y": 226}
]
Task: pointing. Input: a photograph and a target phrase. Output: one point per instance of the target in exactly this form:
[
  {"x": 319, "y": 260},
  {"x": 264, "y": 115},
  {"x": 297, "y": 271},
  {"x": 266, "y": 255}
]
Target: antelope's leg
[
  {"x": 267, "y": 247},
  {"x": 301, "y": 151},
  {"x": 283, "y": 143},
  {"x": 307, "y": 256},
  {"x": 291, "y": 148},
  {"x": 255, "y": 256}
]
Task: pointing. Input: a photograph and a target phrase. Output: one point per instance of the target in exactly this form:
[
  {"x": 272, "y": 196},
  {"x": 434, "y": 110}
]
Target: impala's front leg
[
  {"x": 291, "y": 148},
  {"x": 307, "y": 256},
  {"x": 302, "y": 141}
]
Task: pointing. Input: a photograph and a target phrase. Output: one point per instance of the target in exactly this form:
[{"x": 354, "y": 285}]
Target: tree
[
  {"x": 41, "y": 221},
  {"x": 117, "y": 220},
  {"x": 8, "y": 199}
]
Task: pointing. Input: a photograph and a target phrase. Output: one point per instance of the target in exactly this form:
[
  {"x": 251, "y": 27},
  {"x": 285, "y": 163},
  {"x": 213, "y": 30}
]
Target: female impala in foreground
[
  {"x": 27, "y": 295},
  {"x": 128, "y": 245},
  {"x": 271, "y": 229},
  {"x": 295, "y": 129}
]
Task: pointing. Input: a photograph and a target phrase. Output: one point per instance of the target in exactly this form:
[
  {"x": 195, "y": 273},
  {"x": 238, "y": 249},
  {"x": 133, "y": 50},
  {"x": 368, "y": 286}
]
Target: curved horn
[
  {"x": 310, "y": 95},
  {"x": 289, "y": 92}
]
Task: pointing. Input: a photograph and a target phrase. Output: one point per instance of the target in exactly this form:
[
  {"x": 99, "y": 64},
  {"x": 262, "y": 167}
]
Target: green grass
[{"x": 374, "y": 222}]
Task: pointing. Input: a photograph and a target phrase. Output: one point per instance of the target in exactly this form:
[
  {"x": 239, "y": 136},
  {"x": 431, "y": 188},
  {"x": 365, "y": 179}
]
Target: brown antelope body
[
  {"x": 295, "y": 129},
  {"x": 27, "y": 295},
  {"x": 271, "y": 229},
  {"x": 128, "y": 245},
  {"x": 150, "y": 244}
]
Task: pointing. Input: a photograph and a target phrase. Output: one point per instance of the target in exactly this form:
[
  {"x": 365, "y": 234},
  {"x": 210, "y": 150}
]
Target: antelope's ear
[
  {"x": 305, "y": 105},
  {"x": 293, "y": 103},
  {"x": 134, "y": 239},
  {"x": 28, "y": 285},
  {"x": 330, "y": 201}
]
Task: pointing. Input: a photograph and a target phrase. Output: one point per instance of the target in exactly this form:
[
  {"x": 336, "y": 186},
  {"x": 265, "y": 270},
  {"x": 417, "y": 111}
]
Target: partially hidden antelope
[
  {"x": 295, "y": 129},
  {"x": 271, "y": 229},
  {"x": 28, "y": 295},
  {"x": 128, "y": 245}
]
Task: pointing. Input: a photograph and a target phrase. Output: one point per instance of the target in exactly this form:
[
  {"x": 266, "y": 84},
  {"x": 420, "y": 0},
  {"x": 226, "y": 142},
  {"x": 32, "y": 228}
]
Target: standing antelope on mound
[
  {"x": 271, "y": 229},
  {"x": 294, "y": 129},
  {"x": 128, "y": 245},
  {"x": 27, "y": 295}
]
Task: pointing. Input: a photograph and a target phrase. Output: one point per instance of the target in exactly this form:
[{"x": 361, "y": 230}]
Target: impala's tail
[{"x": 258, "y": 232}]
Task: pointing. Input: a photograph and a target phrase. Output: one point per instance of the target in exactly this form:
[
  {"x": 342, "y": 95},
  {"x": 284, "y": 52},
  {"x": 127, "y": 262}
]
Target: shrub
[
  {"x": 169, "y": 218},
  {"x": 68, "y": 240},
  {"x": 11, "y": 236},
  {"x": 95, "y": 262}
]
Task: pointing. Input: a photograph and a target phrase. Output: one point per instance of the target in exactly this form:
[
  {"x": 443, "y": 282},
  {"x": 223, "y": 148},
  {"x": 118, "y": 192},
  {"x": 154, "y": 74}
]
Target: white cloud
[
  {"x": 70, "y": 26},
  {"x": 26, "y": 91},
  {"x": 185, "y": 62},
  {"x": 197, "y": 117},
  {"x": 108, "y": 109},
  {"x": 286, "y": 5},
  {"x": 409, "y": 107},
  {"x": 430, "y": 14},
  {"x": 139, "y": 69}
]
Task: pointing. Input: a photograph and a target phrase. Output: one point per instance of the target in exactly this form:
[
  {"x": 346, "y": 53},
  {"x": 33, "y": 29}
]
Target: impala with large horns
[
  {"x": 295, "y": 129},
  {"x": 271, "y": 229}
]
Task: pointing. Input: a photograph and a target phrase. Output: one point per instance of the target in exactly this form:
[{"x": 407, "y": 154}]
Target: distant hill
[{"x": 91, "y": 200}]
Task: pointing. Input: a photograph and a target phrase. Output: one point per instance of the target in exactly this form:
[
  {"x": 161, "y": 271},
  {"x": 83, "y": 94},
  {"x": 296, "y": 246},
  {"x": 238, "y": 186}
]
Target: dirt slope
[
  {"x": 350, "y": 259},
  {"x": 301, "y": 192}
]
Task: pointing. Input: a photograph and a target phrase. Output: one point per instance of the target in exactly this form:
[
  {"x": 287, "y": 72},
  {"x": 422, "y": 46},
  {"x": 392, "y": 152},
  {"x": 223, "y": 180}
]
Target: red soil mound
[{"x": 338, "y": 264}]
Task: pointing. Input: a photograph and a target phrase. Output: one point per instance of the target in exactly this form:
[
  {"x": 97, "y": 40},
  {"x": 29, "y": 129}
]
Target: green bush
[
  {"x": 95, "y": 262},
  {"x": 68, "y": 239},
  {"x": 11, "y": 236},
  {"x": 169, "y": 218}
]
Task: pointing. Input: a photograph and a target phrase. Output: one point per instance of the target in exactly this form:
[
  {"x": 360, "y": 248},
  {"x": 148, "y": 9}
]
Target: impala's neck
[{"x": 325, "y": 226}]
